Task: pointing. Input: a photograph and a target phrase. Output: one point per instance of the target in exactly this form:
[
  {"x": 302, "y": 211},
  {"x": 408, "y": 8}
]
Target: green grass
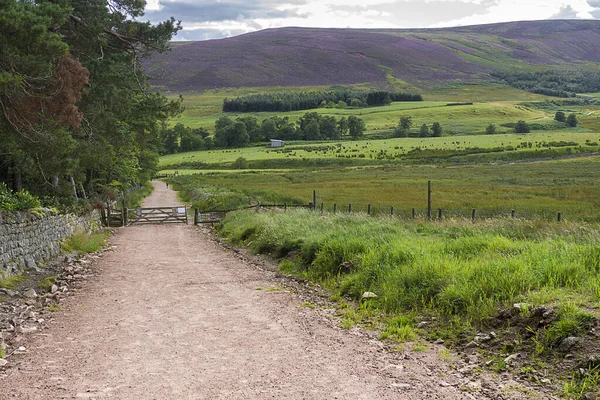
[
  {"x": 46, "y": 283},
  {"x": 456, "y": 268},
  {"x": 83, "y": 242},
  {"x": 569, "y": 186},
  {"x": 11, "y": 282}
]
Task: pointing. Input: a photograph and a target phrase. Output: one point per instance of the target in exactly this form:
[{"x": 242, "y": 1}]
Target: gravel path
[{"x": 172, "y": 315}]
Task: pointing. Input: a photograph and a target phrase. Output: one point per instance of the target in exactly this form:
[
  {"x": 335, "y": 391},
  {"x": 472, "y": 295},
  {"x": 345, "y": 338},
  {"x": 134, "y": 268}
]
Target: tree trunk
[{"x": 74, "y": 188}]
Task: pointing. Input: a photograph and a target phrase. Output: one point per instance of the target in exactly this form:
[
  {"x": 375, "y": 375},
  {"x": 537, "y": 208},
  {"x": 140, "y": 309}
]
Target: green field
[{"x": 493, "y": 104}]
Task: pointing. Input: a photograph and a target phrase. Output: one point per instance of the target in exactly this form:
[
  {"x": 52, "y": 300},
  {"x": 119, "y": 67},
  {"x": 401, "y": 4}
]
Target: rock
[
  {"x": 369, "y": 295},
  {"x": 444, "y": 384},
  {"x": 30, "y": 294},
  {"x": 422, "y": 324},
  {"x": 589, "y": 396},
  {"x": 31, "y": 315},
  {"x": 54, "y": 289},
  {"x": 511, "y": 358},
  {"x": 8, "y": 292},
  {"x": 401, "y": 385},
  {"x": 493, "y": 335},
  {"x": 439, "y": 341},
  {"x": 482, "y": 338},
  {"x": 521, "y": 306},
  {"x": 539, "y": 311},
  {"x": 3, "y": 362},
  {"x": 346, "y": 267},
  {"x": 568, "y": 343},
  {"x": 471, "y": 345}
]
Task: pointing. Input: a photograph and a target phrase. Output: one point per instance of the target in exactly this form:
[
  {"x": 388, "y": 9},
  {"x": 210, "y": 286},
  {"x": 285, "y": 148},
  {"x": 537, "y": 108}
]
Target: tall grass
[
  {"x": 455, "y": 267},
  {"x": 83, "y": 242}
]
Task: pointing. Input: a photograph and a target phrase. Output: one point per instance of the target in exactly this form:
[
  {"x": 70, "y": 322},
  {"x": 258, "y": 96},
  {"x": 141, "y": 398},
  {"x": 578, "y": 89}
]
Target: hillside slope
[{"x": 424, "y": 57}]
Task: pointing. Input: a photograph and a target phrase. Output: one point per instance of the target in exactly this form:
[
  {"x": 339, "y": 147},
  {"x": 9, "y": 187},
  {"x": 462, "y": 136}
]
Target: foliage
[
  {"x": 455, "y": 268},
  {"x": 11, "y": 282},
  {"x": 423, "y": 131},
  {"x": 22, "y": 200},
  {"x": 46, "y": 283},
  {"x": 240, "y": 163},
  {"x": 572, "y": 120},
  {"x": 83, "y": 242},
  {"x": 356, "y": 127},
  {"x": 554, "y": 83},
  {"x": 339, "y": 98},
  {"x": 77, "y": 105},
  {"x": 560, "y": 116},
  {"x": 436, "y": 129},
  {"x": 522, "y": 127},
  {"x": 490, "y": 129},
  {"x": 404, "y": 126}
]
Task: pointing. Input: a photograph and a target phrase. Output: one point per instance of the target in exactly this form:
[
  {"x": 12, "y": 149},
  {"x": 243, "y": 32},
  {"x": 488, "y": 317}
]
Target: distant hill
[{"x": 401, "y": 58}]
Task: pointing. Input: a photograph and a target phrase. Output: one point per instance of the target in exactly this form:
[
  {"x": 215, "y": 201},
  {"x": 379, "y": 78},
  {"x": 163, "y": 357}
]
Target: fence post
[
  {"x": 369, "y": 209},
  {"x": 285, "y": 206},
  {"x": 440, "y": 214},
  {"x": 349, "y": 208},
  {"x": 314, "y": 199},
  {"x": 559, "y": 217},
  {"x": 413, "y": 213},
  {"x": 428, "y": 199},
  {"x": 196, "y": 211},
  {"x": 124, "y": 212},
  {"x": 321, "y": 208},
  {"x": 513, "y": 213},
  {"x": 392, "y": 211},
  {"x": 473, "y": 215},
  {"x": 334, "y": 207}
]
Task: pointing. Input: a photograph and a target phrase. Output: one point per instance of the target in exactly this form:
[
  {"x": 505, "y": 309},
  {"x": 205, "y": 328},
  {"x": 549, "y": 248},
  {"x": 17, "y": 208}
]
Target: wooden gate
[{"x": 157, "y": 215}]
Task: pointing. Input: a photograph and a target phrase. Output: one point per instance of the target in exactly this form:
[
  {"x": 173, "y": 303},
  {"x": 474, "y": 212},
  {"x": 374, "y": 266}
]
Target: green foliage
[
  {"x": 338, "y": 98},
  {"x": 77, "y": 102},
  {"x": 522, "y": 127},
  {"x": 356, "y": 127},
  {"x": 554, "y": 83},
  {"x": 436, "y": 129},
  {"x": 490, "y": 129},
  {"x": 560, "y": 116},
  {"x": 11, "y": 282},
  {"x": 423, "y": 131},
  {"x": 19, "y": 201},
  {"x": 404, "y": 126},
  {"x": 46, "y": 283},
  {"x": 572, "y": 120},
  {"x": 83, "y": 242},
  {"x": 456, "y": 268},
  {"x": 400, "y": 328},
  {"x": 240, "y": 163},
  {"x": 572, "y": 321}
]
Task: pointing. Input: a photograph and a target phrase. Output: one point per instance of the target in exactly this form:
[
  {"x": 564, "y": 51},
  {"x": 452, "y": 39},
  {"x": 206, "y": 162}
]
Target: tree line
[
  {"x": 242, "y": 131},
  {"x": 340, "y": 98},
  {"x": 77, "y": 114},
  {"x": 554, "y": 83}
]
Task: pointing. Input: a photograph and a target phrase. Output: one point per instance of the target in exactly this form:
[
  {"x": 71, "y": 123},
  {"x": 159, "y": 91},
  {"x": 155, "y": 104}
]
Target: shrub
[{"x": 22, "y": 200}]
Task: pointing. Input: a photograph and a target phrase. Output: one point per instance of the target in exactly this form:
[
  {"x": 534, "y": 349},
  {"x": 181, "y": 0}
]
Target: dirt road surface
[{"x": 172, "y": 315}]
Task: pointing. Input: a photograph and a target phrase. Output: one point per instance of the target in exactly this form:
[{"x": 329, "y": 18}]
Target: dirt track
[{"x": 171, "y": 315}]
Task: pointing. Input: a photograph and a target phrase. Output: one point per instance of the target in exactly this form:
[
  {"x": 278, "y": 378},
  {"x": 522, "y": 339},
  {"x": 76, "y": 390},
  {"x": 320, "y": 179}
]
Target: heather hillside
[{"x": 401, "y": 58}]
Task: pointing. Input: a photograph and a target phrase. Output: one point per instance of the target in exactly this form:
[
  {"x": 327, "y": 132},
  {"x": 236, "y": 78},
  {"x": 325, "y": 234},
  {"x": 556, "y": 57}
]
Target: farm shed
[{"x": 277, "y": 143}]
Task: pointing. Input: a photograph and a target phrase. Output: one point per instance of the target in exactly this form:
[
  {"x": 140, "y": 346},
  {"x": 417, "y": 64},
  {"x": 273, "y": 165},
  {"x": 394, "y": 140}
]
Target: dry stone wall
[{"x": 27, "y": 239}]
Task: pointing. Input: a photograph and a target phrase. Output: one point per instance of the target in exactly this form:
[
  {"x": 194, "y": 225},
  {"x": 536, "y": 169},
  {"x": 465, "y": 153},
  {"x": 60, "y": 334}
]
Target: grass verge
[
  {"x": 11, "y": 282},
  {"x": 83, "y": 242}
]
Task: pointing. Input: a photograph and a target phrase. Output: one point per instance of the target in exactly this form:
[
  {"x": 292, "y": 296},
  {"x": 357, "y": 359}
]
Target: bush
[
  {"x": 22, "y": 200},
  {"x": 522, "y": 127}
]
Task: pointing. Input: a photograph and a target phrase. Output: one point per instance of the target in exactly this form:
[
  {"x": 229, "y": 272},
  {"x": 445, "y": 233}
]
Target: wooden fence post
[
  {"x": 334, "y": 207},
  {"x": 413, "y": 213},
  {"x": 513, "y": 213},
  {"x": 440, "y": 214},
  {"x": 285, "y": 206},
  {"x": 473, "y": 215},
  {"x": 559, "y": 217},
  {"x": 314, "y": 199},
  {"x": 196, "y": 212},
  {"x": 321, "y": 208},
  {"x": 428, "y": 199},
  {"x": 349, "y": 208},
  {"x": 392, "y": 211},
  {"x": 369, "y": 209}
]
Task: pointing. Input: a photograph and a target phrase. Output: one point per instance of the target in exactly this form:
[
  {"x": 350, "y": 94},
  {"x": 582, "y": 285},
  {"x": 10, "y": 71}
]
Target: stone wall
[{"x": 27, "y": 239}]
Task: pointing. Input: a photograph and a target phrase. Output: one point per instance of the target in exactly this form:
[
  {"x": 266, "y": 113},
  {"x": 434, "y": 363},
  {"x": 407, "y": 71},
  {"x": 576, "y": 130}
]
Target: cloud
[
  {"x": 204, "y": 11},
  {"x": 565, "y": 12}
]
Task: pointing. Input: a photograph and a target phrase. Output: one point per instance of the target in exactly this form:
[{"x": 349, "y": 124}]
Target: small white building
[{"x": 277, "y": 143}]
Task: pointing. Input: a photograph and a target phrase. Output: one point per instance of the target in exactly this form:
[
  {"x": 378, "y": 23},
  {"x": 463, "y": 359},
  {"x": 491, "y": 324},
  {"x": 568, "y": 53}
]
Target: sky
[{"x": 215, "y": 19}]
